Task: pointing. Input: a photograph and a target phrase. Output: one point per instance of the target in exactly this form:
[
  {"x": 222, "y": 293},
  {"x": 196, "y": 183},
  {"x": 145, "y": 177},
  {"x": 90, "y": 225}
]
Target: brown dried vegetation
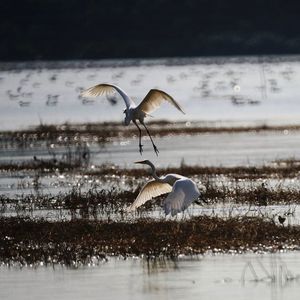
[{"x": 79, "y": 241}]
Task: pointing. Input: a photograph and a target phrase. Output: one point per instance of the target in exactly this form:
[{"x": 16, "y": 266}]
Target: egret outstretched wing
[
  {"x": 184, "y": 192},
  {"x": 106, "y": 89},
  {"x": 154, "y": 99},
  {"x": 150, "y": 190}
]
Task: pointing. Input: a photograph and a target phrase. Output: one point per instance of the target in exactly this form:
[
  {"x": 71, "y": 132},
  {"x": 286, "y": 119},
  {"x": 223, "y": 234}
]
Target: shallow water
[
  {"x": 237, "y": 149},
  {"x": 211, "y": 276},
  {"x": 211, "y": 149},
  {"x": 244, "y": 89}
]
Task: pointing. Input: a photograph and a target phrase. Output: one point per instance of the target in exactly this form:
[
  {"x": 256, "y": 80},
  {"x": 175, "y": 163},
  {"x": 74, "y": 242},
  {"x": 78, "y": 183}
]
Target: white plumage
[
  {"x": 134, "y": 112},
  {"x": 150, "y": 190},
  {"x": 182, "y": 191}
]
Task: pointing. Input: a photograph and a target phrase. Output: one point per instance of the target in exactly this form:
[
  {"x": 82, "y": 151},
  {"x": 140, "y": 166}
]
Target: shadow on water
[{"x": 159, "y": 264}]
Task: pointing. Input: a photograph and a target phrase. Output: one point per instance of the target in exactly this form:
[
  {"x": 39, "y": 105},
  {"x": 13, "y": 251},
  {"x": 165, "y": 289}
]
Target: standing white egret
[
  {"x": 182, "y": 191},
  {"x": 134, "y": 112}
]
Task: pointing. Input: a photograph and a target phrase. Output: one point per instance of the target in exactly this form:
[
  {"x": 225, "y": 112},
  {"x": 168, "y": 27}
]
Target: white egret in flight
[
  {"x": 182, "y": 191},
  {"x": 134, "y": 112}
]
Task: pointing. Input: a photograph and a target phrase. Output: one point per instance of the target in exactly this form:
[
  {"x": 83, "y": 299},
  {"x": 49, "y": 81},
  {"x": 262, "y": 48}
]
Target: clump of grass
[
  {"x": 78, "y": 241},
  {"x": 94, "y": 203},
  {"x": 254, "y": 194}
]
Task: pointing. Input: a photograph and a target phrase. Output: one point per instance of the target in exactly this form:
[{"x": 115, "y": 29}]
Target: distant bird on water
[
  {"x": 134, "y": 112},
  {"x": 281, "y": 219},
  {"x": 182, "y": 191}
]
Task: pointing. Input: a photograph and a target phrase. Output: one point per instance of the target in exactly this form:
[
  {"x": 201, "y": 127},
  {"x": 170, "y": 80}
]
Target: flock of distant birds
[
  {"x": 23, "y": 97},
  {"x": 53, "y": 99}
]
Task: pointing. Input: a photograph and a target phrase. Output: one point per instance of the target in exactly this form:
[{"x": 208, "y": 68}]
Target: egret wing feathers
[
  {"x": 150, "y": 190},
  {"x": 184, "y": 192},
  {"x": 154, "y": 99},
  {"x": 106, "y": 89}
]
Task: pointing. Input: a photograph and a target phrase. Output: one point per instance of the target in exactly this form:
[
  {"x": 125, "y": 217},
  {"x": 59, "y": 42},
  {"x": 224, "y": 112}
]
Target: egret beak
[{"x": 139, "y": 162}]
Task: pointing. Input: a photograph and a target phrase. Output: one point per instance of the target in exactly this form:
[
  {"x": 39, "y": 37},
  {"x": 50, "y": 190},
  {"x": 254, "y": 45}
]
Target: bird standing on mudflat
[
  {"x": 134, "y": 112},
  {"x": 182, "y": 191}
]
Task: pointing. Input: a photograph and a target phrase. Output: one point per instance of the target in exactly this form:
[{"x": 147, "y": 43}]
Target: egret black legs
[
  {"x": 154, "y": 147},
  {"x": 140, "y": 137}
]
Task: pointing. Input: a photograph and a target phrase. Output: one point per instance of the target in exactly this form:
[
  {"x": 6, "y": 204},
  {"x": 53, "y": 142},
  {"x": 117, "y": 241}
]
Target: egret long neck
[
  {"x": 129, "y": 102},
  {"x": 153, "y": 173}
]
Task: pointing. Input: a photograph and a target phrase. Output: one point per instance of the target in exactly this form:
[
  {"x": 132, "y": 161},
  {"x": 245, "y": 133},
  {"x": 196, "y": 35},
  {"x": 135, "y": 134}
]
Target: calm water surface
[{"x": 217, "y": 277}]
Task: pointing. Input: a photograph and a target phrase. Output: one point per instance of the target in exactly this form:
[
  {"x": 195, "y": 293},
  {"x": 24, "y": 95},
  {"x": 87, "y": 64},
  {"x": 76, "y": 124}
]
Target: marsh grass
[
  {"x": 74, "y": 160},
  {"x": 252, "y": 193},
  {"x": 93, "y": 203},
  {"x": 107, "y": 130},
  {"x": 97, "y": 202},
  {"x": 28, "y": 241},
  {"x": 93, "y": 232}
]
